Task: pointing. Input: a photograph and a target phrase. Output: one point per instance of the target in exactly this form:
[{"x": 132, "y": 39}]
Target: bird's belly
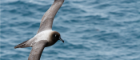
[{"x": 50, "y": 43}]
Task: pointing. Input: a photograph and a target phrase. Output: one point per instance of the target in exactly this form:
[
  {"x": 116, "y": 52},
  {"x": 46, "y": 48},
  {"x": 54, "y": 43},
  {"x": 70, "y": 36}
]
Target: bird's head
[{"x": 55, "y": 36}]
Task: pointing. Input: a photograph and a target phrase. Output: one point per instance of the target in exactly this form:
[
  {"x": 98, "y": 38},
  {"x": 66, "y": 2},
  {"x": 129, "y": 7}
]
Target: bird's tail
[{"x": 22, "y": 45}]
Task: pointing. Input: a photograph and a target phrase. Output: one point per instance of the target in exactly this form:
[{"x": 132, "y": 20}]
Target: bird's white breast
[{"x": 44, "y": 35}]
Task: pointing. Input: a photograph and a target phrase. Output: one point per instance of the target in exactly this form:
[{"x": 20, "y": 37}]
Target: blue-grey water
[{"x": 92, "y": 29}]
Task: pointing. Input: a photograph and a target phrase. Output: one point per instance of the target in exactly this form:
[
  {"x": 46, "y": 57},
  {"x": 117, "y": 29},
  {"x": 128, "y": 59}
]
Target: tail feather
[{"x": 21, "y": 45}]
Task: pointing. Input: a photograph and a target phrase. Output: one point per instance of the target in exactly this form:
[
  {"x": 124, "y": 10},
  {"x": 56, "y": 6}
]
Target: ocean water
[{"x": 91, "y": 29}]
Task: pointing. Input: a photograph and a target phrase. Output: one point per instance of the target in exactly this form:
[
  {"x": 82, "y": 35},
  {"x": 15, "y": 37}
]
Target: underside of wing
[{"x": 47, "y": 19}]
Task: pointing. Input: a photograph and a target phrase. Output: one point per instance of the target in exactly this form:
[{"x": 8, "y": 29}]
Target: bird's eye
[{"x": 55, "y": 35}]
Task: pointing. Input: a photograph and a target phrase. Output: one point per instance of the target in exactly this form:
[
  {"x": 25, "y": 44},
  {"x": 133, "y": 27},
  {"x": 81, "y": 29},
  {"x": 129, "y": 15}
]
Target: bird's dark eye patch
[{"x": 55, "y": 35}]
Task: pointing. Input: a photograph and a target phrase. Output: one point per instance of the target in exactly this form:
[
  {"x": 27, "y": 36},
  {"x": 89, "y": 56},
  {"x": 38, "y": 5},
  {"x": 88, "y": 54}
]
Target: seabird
[{"x": 45, "y": 31}]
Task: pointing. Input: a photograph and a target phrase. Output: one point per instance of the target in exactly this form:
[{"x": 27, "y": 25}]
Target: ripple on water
[{"x": 92, "y": 30}]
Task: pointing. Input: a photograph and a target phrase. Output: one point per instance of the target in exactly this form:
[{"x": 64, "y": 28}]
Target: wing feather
[{"x": 48, "y": 17}]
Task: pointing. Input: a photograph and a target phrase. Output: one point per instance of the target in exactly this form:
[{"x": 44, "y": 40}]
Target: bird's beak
[{"x": 61, "y": 39}]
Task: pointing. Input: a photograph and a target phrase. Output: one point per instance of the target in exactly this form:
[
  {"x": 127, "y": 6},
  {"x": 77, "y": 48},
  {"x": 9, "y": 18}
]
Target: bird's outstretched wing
[{"x": 47, "y": 19}]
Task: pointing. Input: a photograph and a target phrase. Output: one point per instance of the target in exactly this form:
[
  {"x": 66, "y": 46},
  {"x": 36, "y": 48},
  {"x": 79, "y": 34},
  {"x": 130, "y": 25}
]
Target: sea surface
[{"x": 91, "y": 29}]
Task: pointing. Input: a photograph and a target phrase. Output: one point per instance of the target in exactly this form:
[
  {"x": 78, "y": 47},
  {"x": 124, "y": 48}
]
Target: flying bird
[{"x": 45, "y": 31}]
